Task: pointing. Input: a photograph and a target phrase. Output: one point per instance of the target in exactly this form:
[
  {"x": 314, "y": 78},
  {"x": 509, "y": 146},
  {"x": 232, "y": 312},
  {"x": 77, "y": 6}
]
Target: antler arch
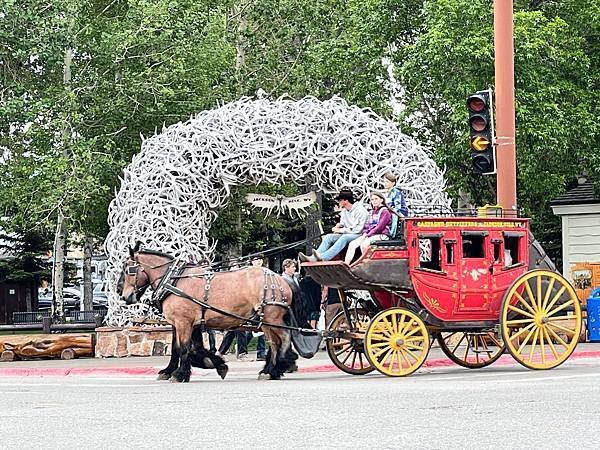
[{"x": 172, "y": 191}]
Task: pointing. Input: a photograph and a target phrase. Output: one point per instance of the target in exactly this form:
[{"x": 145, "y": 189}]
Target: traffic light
[{"x": 481, "y": 132}]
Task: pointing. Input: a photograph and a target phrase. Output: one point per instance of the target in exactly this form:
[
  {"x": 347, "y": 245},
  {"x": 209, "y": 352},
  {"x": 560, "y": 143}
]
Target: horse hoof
[
  {"x": 208, "y": 364},
  {"x": 163, "y": 376},
  {"x": 264, "y": 376},
  {"x": 176, "y": 379},
  {"x": 222, "y": 371}
]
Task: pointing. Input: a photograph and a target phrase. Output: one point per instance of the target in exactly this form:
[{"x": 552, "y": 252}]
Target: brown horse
[{"x": 251, "y": 292}]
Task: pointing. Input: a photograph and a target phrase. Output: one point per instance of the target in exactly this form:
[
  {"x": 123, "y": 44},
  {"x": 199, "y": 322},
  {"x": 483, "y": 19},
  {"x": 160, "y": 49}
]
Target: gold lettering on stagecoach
[
  {"x": 433, "y": 303},
  {"x": 465, "y": 224}
]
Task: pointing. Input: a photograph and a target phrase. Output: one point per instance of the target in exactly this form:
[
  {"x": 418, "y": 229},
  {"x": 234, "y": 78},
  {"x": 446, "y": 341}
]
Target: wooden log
[
  {"x": 48, "y": 345},
  {"x": 7, "y": 355}
]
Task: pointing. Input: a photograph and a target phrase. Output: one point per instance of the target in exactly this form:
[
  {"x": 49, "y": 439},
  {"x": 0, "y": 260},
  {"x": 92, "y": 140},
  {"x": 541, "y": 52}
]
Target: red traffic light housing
[{"x": 481, "y": 132}]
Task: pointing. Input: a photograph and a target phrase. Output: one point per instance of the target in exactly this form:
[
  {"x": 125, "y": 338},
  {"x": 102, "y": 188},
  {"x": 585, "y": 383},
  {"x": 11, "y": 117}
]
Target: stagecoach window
[
  {"x": 512, "y": 249},
  {"x": 497, "y": 249},
  {"x": 472, "y": 246},
  {"x": 449, "y": 252},
  {"x": 429, "y": 253}
]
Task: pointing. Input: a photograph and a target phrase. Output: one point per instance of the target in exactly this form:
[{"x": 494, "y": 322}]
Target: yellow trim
[
  {"x": 397, "y": 342},
  {"x": 545, "y": 322}
]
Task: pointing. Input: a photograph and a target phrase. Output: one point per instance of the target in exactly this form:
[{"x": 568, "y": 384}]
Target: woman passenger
[{"x": 377, "y": 227}]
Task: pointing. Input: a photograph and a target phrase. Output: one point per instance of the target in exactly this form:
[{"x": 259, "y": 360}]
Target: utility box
[{"x": 593, "y": 316}]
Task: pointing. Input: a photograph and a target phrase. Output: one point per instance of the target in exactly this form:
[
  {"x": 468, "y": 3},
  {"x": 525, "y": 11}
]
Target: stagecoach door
[{"x": 475, "y": 272}]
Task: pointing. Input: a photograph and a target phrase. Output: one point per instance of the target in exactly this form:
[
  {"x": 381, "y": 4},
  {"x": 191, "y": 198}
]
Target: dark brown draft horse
[{"x": 252, "y": 292}]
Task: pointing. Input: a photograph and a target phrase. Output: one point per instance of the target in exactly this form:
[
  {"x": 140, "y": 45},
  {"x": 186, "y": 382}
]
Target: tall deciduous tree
[{"x": 452, "y": 56}]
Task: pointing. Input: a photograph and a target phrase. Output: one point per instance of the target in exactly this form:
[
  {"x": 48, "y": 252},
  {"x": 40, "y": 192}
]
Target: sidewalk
[{"x": 137, "y": 366}]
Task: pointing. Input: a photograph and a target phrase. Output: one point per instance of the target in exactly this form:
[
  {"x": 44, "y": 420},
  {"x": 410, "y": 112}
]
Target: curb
[{"x": 140, "y": 371}]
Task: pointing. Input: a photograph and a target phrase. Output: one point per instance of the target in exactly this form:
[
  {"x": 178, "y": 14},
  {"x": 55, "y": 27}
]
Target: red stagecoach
[{"x": 477, "y": 285}]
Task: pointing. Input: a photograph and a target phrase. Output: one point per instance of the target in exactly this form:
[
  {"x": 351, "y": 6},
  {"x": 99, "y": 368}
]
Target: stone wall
[{"x": 133, "y": 341}]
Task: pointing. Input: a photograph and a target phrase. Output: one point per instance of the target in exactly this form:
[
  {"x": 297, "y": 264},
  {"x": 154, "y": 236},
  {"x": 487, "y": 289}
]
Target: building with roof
[{"x": 579, "y": 210}]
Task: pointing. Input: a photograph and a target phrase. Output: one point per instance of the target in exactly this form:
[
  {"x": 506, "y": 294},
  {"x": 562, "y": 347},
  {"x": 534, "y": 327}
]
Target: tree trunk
[
  {"x": 60, "y": 238},
  {"x": 58, "y": 269},
  {"x": 88, "y": 290}
]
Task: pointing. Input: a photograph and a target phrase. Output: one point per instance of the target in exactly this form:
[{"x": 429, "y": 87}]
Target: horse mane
[{"x": 155, "y": 253}]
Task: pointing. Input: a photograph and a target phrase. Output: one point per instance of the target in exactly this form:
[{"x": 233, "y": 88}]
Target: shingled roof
[{"x": 581, "y": 194}]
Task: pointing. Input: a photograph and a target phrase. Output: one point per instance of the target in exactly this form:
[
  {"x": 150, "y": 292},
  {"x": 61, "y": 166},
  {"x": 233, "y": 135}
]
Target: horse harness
[{"x": 168, "y": 286}]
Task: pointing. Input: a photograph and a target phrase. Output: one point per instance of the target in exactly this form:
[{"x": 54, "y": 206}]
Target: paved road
[{"x": 497, "y": 407}]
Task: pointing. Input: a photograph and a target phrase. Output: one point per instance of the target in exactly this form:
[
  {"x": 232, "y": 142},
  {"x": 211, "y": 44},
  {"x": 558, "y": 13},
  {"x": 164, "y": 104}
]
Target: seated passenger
[
  {"x": 394, "y": 200},
  {"x": 352, "y": 220},
  {"x": 377, "y": 227}
]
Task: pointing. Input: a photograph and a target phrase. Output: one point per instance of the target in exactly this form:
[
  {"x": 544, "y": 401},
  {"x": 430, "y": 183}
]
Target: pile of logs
[{"x": 64, "y": 346}]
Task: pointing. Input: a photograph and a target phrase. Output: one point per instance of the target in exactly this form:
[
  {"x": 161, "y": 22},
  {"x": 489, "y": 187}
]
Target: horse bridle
[{"x": 134, "y": 270}]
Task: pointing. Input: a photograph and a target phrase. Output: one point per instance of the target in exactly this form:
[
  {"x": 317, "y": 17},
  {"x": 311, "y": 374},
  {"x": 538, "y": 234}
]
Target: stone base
[
  {"x": 133, "y": 341},
  {"x": 138, "y": 341}
]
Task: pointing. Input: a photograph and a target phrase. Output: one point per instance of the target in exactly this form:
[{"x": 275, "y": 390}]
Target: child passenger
[{"x": 377, "y": 227}]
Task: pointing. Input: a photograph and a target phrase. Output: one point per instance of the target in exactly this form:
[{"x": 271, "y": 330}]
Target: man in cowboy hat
[{"x": 352, "y": 220}]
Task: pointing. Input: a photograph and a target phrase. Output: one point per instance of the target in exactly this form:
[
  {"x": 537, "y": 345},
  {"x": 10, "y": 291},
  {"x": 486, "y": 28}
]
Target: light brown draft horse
[{"x": 245, "y": 293}]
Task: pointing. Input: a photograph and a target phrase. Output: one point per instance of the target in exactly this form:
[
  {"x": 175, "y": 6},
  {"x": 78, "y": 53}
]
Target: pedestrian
[
  {"x": 353, "y": 216},
  {"x": 331, "y": 303},
  {"x": 377, "y": 227},
  {"x": 238, "y": 335},
  {"x": 311, "y": 295},
  {"x": 396, "y": 202}
]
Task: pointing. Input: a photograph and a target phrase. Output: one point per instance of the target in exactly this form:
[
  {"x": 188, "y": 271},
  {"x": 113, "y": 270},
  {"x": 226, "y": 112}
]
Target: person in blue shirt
[{"x": 395, "y": 200}]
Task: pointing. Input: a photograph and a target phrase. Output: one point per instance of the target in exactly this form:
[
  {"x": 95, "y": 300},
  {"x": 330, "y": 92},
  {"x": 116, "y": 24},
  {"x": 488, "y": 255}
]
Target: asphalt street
[{"x": 497, "y": 407}]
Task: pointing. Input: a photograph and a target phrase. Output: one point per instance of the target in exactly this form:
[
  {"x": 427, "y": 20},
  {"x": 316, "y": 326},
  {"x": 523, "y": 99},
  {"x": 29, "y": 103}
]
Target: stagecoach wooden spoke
[
  {"x": 561, "y": 328},
  {"x": 522, "y": 301},
  {"x": 557, "y": 337},
  {"x": 343, "y": 350},
  {"x": 538, "y": 286},
  {"x": 560, "y": 308},
  {"x": 414, "y": 347},
  {"x": 519, "y": 321},
  {"x": 547, "y": 296},
  {"x": 469, "y": 344},
  {"x": 533, "y": 344},
  {"x": 542, "y": 347},
  {"x": 464, "y": 336},
  {"x": 522, "y": 331},
  {"x": 532, "y": 299},
  {"x": 556, "y": 297},
  {"x": 347, "y": 353},
  {"x": 520, "y": 311},
  {"x": 405, "y": 350},
  {"x": 538, "y": 350},
  {"x": 551, "y": 344}
]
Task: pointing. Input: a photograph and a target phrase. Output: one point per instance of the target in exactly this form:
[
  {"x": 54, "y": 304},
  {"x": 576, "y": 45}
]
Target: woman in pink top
[{"x": 377, "y": 227}]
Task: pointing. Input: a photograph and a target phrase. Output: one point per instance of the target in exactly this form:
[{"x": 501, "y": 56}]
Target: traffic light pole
[{"x": 506, "y": 180}]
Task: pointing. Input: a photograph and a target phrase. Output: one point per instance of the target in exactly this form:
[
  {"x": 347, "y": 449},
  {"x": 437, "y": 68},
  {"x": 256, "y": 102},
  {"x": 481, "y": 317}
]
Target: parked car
[{"x": 72, "y": 297}]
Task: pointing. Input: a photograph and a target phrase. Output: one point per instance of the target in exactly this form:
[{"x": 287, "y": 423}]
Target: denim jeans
[
  {"x": 242, "y": 342},
  {"x": 334, "y": 243},
  {"x": 261, "y": 346}
]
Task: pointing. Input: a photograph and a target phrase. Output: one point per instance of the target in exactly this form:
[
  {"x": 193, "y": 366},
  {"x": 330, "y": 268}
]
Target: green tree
[{"x": 452, "y": 56}]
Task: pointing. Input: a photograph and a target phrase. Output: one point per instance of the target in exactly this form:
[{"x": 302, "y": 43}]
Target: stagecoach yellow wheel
[
  {"x": 471, "y": 349},
  {"x": 348, "y": 354},
  {"x": 397, "y": 342},
  {"x": 541, "y": 319}
]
